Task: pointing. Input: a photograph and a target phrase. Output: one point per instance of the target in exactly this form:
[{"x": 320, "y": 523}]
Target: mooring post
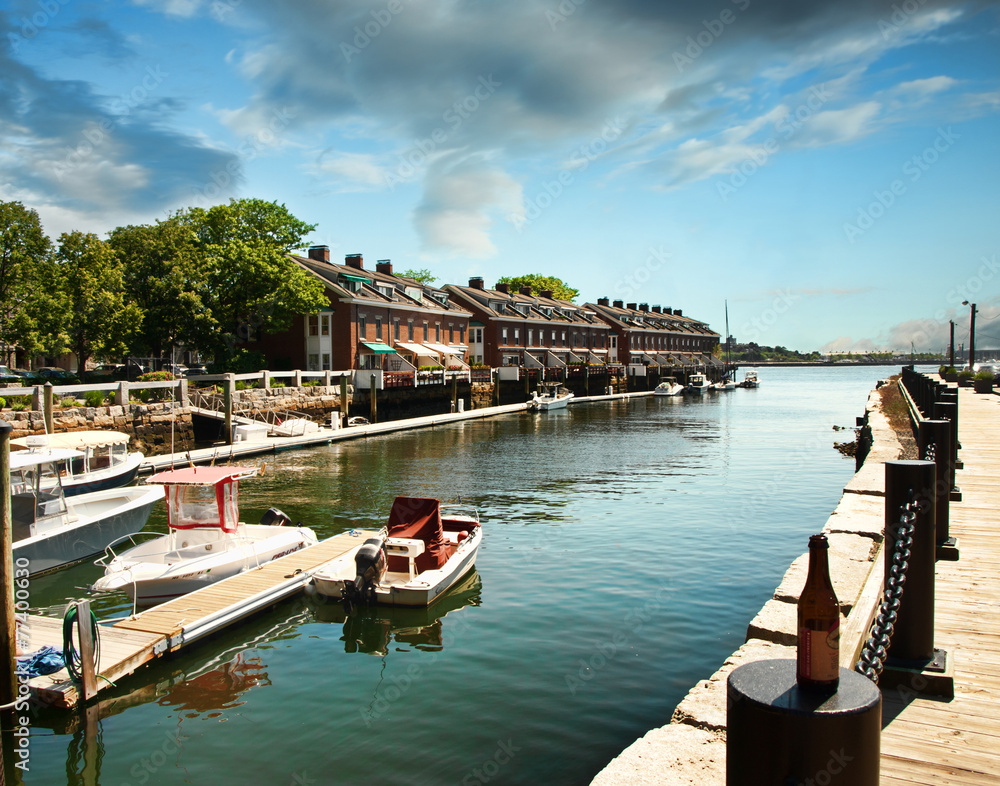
[
  {"x": 454, "y": 393},
  {"x": 228, "y": 392},
  {"x": 934, "y": 440},
  {"x": 496, "y": 386},
  {"x": 946, "y": 410},
  {"x": 912, "y": 482},
  {"x": 47, "y": 407},
  {"x": 586, "y": 378},
  {"x": 374, "y": 404},
  {"x": 343, "y": 400},
  {"x": 950, "y": 396},
  {"x": 8, "y": 631}
]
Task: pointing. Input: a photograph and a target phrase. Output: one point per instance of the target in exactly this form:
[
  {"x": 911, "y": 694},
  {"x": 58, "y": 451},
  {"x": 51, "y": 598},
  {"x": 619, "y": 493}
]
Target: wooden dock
[
  {"x": 127, "y": 644},
  {"x": 927, "y": 740}
]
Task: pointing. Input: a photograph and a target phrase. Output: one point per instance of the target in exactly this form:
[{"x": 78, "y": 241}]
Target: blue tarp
[{"x": 46, "y": 661}]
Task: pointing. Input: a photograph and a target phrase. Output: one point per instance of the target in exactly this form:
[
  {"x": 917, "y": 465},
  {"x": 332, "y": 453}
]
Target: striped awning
[{"x": 416, "y": 349}]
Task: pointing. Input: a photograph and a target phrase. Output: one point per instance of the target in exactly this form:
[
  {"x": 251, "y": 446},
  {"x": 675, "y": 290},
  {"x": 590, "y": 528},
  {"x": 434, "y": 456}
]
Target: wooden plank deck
[
  {"x": 932, "y": 741},
  {"x": 128, "y": 644}
]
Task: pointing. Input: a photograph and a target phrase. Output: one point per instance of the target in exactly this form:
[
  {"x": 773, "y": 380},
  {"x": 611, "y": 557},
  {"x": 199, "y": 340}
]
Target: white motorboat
[
  {"x": 751, "y": 379},
  {"x": 105, "y": 461},
  {"x": 422, "y": 552},
  {"x": 555, "y": 397},
  {"x": 294, "y": 427},
  {"x": 697, "y": 385},
  {"x": 668, "y": 387},
  {"x": 51, "y": 530},
  {"x": 724, "y": 384},
  {"x": 205, "y": 541}
]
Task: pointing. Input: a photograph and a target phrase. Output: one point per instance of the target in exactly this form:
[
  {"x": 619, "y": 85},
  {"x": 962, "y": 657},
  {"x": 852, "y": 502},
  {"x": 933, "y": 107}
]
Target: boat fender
[
  {"x": 463, "y": 535},
  {"x": 274, "y": 518}
]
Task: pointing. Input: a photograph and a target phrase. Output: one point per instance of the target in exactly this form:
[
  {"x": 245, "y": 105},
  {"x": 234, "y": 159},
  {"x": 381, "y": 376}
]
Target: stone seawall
[{"x": 691, "y": 748}]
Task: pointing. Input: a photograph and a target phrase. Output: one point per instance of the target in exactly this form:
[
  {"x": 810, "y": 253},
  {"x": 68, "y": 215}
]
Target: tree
[
  {"x": 560, "y": 289},
  {"x": 252, "y": 286},
  {"x": 423, "y": 275},
  {"x": 163, "y": 275},
  {"x": 88, "y": 284},
  {"x": 24, "y": 248}
]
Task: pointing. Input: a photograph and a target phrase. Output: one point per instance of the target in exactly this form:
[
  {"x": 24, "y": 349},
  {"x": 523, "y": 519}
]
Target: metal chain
[
  {"x": 930, "y": 452},
  {"x": 875, "y": 651}
]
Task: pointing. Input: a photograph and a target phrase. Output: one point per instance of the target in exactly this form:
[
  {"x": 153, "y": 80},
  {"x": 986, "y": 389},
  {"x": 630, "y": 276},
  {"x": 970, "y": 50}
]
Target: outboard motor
[
  {"x": 274, "y": 517},
  {"x": 370, "y": 564}
]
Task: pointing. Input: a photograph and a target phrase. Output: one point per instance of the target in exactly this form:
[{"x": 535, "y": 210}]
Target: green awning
[
  {"x": 379, "y": 348},
  {"x": 349, "y": 277}
]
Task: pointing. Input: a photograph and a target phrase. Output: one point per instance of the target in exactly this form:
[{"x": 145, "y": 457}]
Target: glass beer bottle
[{"x": 818, "y": 624}]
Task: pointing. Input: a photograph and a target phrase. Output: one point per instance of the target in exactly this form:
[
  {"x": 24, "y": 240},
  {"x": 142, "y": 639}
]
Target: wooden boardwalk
[
  {"x": 936, "y": 741},
  {"x": 129, "y": 643}
]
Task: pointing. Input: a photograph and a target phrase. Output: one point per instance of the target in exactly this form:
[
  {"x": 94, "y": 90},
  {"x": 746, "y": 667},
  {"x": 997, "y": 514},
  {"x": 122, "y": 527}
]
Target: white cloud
[{"x": 837, "y": 126}]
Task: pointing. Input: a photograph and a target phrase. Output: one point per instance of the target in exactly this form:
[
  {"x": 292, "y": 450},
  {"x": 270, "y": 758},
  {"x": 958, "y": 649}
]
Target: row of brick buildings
[{"x": 379, "y": 320}]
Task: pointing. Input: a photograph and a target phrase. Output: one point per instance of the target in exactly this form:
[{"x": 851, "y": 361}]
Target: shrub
[
  {"x": 67, "y": 401},
  {"x": 20, "y": 403},
  {"x": 984, "y": 376},
  {"x": 310, "y": 383},
  {"x": 155, "y": 376},
  {"x": 966, "y": 373},
  {"x": 94, "y": 398},
  {"x": 3, "y": 403},
  {"x": 275, "y": 382}
]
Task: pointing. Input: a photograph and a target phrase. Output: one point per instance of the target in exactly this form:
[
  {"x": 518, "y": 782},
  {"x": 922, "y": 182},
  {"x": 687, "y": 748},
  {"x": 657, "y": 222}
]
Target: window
[
  {"x": 451, "y": 333},
  {"x": 553, "y": 338},
  {"x": 409, "y": 330},
  {"x": 517, "y": 337},
  {"x": 427, "y": 334},
  {"x": 313, "y": 362},
  {"x": 503, "y": 337},
  {"x": 362, "y": 327},
  {"x": 461, "y": 334},
  {"x": 395, "y": 330},
  {"x": 437, "y": 332},
  {"x": 314, "y": 324},
  {"x": 324, "y": 320},
  {"x": 531, "y": 336},
  {"x": 378, "y": 328},
  {"x": 326, "y": 362},
  {"x": 564, "y": 338}
]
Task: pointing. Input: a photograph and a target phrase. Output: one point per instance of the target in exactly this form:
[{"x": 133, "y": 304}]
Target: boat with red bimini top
[
  {"x": 423, "y": 551},
  {"x": 205, "y": 541}
]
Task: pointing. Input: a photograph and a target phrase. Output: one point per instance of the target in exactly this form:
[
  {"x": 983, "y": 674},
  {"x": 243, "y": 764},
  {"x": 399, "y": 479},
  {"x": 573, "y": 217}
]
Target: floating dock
[{"x": 127, "y": 644}]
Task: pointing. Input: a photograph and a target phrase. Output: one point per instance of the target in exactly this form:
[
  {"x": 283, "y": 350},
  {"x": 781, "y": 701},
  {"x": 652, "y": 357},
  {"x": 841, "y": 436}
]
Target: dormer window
[{"x": 385, "y": 291}]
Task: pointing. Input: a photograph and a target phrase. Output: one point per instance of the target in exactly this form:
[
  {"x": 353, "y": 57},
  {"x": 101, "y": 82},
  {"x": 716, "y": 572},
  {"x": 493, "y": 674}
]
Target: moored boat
[
  {"x": 51, "y": 530},
  {"x": 554, "y": 397},
  {"x": 205, "y": 541},
  {"x": 423, "y": 551},
  {"x": 104, "y": 461},
  {"x": 697, "y": 385},
  {"x": 668, "y": 387},
  {"x": 751, "y": 380}
]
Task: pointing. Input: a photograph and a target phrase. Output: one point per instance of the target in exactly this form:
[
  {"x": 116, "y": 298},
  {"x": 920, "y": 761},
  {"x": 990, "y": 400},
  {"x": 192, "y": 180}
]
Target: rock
[{"x": 674, "y": 755}]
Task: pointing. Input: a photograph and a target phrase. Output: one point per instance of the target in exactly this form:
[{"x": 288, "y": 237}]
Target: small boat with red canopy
[
  {"x": 205, "y": 541},
  {"x": 423, "y": 551}
]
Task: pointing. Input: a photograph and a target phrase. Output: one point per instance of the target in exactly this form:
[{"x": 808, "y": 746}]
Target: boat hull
[
  {"x": 114, "y": 477},
  {"x": 98, "y": 519}
]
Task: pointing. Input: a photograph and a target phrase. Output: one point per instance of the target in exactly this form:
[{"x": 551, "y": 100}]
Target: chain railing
[
  {"x": 875, "y": 652},
  {"x": 930, "y": 452}
]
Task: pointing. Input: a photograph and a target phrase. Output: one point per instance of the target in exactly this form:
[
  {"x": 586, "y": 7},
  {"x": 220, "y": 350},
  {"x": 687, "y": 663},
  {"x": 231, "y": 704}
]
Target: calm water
[{"x": 627, "y": 545}]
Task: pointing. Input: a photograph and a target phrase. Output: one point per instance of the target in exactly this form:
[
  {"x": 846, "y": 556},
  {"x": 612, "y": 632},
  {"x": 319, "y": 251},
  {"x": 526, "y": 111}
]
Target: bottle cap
[{"x": 819, "y": 542}]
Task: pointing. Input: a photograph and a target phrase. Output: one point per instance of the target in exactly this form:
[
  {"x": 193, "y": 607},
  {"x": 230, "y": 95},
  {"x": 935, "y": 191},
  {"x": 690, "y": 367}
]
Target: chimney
[
  {"x": 320, "y": 253},
  {"x": 603, "y": 301},
  {"x": 618, "y": 304},
  {"x": 384, "y": 266},
  {"x": 525, "y": 291},
  {"x": 668, "y": 311},
  {"x": 476, "y": 282},
  {"x": 644, "y": 307},
  {"x": 657, "y": 310},
  {"x": 505, "y": 288},
  {"x": 355, "y": 260},
  {"x": 631, "y": 306},
  {"x": 546, "y": 293},
  {"x": 678, "y": 312}
]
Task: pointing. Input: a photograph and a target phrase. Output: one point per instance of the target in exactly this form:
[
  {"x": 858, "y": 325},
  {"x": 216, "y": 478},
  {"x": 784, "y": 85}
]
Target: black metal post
[
  {"x": 946, "y": 410},
  {"x": 935, "y": 437},
  {"x": 905, "y": 482}
]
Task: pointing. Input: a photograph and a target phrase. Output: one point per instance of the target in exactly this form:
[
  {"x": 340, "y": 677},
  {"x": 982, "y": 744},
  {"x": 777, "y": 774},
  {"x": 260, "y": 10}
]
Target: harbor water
[{"x": 627, "y": 545}]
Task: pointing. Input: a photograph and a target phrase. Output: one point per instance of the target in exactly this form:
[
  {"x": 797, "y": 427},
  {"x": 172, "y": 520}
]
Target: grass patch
[{"x": 894, "y": 407}]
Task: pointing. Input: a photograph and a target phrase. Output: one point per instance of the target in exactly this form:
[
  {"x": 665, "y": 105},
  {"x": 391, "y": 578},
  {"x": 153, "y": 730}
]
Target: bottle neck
[{"x": 819, "y": 564}]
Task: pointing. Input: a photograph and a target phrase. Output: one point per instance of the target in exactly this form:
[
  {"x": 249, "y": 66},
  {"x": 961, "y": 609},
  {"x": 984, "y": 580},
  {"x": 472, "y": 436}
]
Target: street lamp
[{"x": 972, "y": 334}]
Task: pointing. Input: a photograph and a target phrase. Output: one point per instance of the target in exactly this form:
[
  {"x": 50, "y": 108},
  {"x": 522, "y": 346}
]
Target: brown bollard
[
  {"x": 946, "y": 410},
  {"x": 934, "y": 437},
  {"x": 906, "y": 481}
]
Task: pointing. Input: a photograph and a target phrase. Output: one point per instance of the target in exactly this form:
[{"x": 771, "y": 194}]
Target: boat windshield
[
  {"x": 36, "y": 494},
  {"x": 190, "y": 506}
]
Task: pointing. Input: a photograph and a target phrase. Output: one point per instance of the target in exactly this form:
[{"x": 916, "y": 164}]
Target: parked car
[
  {"x": 177, "y": 369},
  {"x": 57, "y": 376},
  {"x": 194, "y": 371},
  {"x": 107, "y": 371},
  {"x": 11, "y": 376}
]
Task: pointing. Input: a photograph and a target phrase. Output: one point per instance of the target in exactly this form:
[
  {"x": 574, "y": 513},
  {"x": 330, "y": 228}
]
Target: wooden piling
[
  {"x": 344, "y": 404},
  {"x": 371, "y": 392},
  {"x": 8, "y": 631}
]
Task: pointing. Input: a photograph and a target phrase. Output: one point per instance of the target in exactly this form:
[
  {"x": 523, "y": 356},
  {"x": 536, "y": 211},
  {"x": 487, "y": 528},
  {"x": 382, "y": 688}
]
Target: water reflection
[{"x": 373, "y": 629}]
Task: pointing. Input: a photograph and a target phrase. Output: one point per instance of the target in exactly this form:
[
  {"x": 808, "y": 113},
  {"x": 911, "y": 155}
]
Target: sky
[{"x": 828, "y": 173}]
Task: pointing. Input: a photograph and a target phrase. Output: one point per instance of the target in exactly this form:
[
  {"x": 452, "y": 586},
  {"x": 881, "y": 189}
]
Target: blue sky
[{"x": 830, "y": 169}]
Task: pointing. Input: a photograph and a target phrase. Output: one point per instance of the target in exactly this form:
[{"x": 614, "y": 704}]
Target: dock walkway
[{"x": 127, "y": 644}]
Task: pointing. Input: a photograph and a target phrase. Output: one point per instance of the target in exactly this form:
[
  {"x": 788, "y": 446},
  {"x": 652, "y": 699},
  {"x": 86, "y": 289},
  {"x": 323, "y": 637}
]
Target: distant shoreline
[{"x": 824, "y": 364}]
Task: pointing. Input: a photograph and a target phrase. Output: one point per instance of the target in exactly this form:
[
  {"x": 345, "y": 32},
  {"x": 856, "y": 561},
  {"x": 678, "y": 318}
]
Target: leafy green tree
[
  {"x": 88, "y": 282},
  {"x": 423, "y": 275},
  {"x": 252, "y": 287},
  {"x": 163, "y": 275},
  {"x": 560, "y": 289},
  {"x": 24, "y": 249}
]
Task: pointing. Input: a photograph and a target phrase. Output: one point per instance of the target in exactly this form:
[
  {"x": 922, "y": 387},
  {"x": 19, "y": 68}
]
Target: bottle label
[{"x": 819, "y": 653}]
